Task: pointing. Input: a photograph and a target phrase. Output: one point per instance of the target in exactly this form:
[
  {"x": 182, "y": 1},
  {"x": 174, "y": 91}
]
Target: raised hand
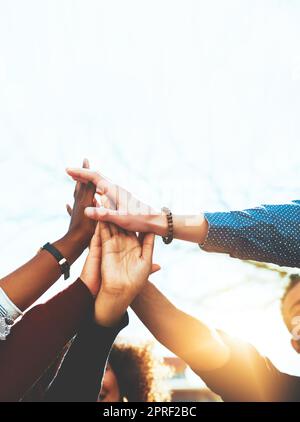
[
  {"x": 123, "y": 209},
  {"x": 80, "y": 224},
  {"x": 125, "y": 267},
  {"x": 91, "y": 272},
  {"x": 120, "y": 206}
]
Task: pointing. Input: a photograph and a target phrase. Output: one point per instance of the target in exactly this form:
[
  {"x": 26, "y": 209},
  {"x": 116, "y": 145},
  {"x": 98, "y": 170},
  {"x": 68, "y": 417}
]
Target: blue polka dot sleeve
[{"x": 270, "y": 233}]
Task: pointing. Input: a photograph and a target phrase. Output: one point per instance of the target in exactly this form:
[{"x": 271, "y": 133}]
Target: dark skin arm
[{"x": 26, "y": 284}]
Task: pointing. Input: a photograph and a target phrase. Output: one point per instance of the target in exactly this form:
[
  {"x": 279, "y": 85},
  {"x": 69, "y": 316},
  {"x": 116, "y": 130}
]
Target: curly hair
[{"x": 141, "y": 375}]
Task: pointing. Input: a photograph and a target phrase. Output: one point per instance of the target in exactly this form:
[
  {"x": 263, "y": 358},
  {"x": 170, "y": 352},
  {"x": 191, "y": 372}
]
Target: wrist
[
  {"x": 71, "y": 245},
  {"x": 90, "y": 283},
  {"x": 158, "y": 224},
  {"x": 192, "y": 228},
  {"x": 78, "y": 238},
  {"x": 109, "y": 309}
]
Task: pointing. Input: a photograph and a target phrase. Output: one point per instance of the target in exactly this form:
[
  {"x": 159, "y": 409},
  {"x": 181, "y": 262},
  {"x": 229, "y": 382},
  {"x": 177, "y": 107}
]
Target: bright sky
[{"x": 191, "y": 104}]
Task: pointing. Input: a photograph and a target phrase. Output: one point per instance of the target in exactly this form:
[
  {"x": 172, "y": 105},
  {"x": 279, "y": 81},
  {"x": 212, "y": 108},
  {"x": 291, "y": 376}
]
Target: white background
[{"x": 191, "y": 104}]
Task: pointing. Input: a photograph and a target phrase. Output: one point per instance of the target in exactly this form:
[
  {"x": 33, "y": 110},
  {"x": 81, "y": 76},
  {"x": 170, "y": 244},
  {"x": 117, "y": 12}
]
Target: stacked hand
[
  {"x": 120, "y": 206},
  {"x": 121, "y": 262},
  {"x": 81, "y": 226},
  {"x": 126, "y": 211}
]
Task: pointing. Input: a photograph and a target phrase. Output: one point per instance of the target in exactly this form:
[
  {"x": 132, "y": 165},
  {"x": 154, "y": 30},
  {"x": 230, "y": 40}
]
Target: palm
[
  {"x": 122, "y": 263},
  {"x": 125, "y": 265}
]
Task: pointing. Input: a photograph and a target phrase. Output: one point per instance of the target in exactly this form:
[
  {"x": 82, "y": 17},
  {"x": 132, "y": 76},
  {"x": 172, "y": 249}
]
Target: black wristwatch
[{"x": 62, "y": 261}]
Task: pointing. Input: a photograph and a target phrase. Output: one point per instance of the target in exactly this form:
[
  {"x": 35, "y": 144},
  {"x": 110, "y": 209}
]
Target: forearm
[
  {"x": 269, "y": 233},
  {"x": 25, "y": 285},
  {"x": 85, "y": 361},
  {"x": 37, "y": 339},
  {"x": 192, "y": 228},
  {"x": 110, "y": 308},
  {"x": 198, "y": 345}
]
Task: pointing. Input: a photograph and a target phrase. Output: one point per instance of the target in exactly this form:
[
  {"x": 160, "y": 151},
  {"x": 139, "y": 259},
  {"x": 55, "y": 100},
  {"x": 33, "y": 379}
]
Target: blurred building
[{"x": 187, "y": 386}]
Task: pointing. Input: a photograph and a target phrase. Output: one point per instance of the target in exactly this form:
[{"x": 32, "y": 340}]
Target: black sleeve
[
  {"x": 80, "y": 375},
  {"x": 250, "y": 377}
]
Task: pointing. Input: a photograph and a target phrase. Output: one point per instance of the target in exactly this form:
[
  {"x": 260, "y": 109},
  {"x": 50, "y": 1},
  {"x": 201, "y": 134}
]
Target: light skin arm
[
  {"x": 187, "y": 337},
  {"x": 131, "y": 214},
  {"x": 26, "y": 284}
]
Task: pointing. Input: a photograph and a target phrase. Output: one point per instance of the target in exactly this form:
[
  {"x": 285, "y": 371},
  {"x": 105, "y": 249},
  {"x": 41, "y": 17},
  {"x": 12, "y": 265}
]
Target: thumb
[
  {"x": 69, "y": 210},
  {"x": 103, "y": 214},
  {"x": 148, "y": 246},
  {"x": 155, "y": 268}
]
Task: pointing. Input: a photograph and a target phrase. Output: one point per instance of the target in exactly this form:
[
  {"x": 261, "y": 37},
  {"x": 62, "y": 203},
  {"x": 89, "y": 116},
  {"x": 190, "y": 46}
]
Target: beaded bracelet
[{"x": 168, "y": 239}]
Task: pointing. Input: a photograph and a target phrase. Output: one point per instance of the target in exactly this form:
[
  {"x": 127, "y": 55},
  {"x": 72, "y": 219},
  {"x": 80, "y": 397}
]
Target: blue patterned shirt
[{"x": 270, "y": 233}]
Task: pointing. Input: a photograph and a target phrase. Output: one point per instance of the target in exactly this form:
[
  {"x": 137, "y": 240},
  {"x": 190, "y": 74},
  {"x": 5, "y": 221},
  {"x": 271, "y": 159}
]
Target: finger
[
  {"x": 86, "y": 164},
  {"x": 123, "y": 231},
  {"x": 69, "y": 209},
  {"x": 104, "y": 232},
  {"x": 131, "y": 234},
  {"x": 105, "y": 214},
  {"x": 155, "y": 268},
  {"x": 77, "y": 188},
  {"x": 96, "y": 239},
  {"x": 113, "y": 229},
  {"x": 86, "y": 175},
  {"x": 141, "y": 237},
  {"x": 96, "y": 203},
  {"x": 90, "y": 188},
  {"x": 106, "y": 203},
  {"x": 148, "y": 246},
  {"x": 97, "y": 230}
]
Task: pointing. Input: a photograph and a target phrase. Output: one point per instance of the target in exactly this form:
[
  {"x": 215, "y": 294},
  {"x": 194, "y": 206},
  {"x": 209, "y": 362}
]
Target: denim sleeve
[{"x": 270, "y": 233}]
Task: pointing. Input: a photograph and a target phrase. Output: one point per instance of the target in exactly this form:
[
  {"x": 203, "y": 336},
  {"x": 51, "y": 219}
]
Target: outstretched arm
[
  {"x": 123, "y": 265},
  {"x": 270, "y": 233},
  {"x": 85, "y": 361},
  {"x": 25, "y": 285},
  {"x": 36, "y": 340},
  {"x": 199, "y": 346},
  {"x": 232, "y": 368},
  {"x": 126, "y": 211}
]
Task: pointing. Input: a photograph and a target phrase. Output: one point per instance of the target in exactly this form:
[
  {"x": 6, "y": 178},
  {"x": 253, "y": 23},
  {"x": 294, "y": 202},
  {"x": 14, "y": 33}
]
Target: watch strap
[{"x": 62, "y": 261}]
